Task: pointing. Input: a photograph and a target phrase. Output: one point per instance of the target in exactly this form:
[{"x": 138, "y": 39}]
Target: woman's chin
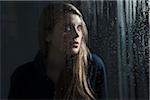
[{"x": 74, "y": 51}]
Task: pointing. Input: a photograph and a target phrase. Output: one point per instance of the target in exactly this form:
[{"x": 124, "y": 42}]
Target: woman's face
[{"x": 68, "y": 34}]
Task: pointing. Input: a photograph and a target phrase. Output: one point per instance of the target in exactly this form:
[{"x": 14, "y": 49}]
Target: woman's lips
[{"x": 75, "y": 44}]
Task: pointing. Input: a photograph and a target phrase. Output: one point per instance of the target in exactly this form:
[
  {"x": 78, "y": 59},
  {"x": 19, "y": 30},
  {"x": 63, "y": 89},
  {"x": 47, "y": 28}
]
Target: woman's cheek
[{"x": 65, "y": 41}]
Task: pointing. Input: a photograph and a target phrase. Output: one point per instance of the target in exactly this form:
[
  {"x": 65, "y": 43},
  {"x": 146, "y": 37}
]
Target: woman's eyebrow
[
  {"x": 67, "y": 24},
  {"x": 77, "y": 24},
  {"x": 72, "y": 24}
]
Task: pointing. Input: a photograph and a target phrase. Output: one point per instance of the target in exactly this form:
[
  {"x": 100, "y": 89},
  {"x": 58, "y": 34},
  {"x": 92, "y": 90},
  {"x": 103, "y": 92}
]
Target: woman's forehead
[
  {"x": 68, "y": 19},
  {"x": 72, "y": 19}
]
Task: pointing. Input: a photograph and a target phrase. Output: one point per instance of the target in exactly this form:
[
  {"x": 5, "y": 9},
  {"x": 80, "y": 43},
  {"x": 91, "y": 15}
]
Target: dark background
[{"x": 118, "y": 32}]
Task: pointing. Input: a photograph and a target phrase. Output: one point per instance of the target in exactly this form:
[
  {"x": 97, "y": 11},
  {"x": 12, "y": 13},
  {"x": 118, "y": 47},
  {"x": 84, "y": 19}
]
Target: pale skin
[{"x": 66, "y": 39}]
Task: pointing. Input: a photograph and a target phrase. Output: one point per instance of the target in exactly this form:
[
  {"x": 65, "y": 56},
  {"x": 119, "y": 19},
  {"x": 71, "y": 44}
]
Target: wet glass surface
[{"x": 118, "y": 32}]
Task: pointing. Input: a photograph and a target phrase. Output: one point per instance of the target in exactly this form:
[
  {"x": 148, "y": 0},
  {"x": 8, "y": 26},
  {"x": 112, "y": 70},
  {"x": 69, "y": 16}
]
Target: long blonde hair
[{"x": 79, "y": 86}]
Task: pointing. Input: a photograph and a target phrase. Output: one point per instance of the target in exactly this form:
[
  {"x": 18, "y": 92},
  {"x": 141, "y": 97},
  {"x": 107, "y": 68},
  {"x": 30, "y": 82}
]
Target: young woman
[{"x": 64, "y": 67}]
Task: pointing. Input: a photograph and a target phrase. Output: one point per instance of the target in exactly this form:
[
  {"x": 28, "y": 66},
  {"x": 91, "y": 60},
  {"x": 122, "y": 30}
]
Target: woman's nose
[{"x": 75, "y": 33}]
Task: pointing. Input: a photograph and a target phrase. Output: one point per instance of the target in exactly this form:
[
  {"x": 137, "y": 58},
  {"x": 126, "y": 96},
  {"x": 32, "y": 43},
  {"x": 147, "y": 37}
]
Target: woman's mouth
[{"x": 75, "y": 44}]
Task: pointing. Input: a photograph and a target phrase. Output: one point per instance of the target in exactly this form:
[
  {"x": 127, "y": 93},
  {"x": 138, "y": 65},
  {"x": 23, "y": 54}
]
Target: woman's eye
[
  {"x": 79, "y": 27},
  {"x": 67, "y": 28}
]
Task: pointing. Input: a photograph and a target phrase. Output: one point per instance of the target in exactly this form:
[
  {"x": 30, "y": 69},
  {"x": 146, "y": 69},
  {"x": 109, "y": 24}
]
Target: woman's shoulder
[
  {"x": 96, "y": 67},
  {"x": 96, "y": 61},
  {"x": 97, "y": 76},
  {"x": 23, "y": 71}
]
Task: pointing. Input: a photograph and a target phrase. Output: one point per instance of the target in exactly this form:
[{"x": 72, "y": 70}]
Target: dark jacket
[{"x": 29, "y": 81}]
